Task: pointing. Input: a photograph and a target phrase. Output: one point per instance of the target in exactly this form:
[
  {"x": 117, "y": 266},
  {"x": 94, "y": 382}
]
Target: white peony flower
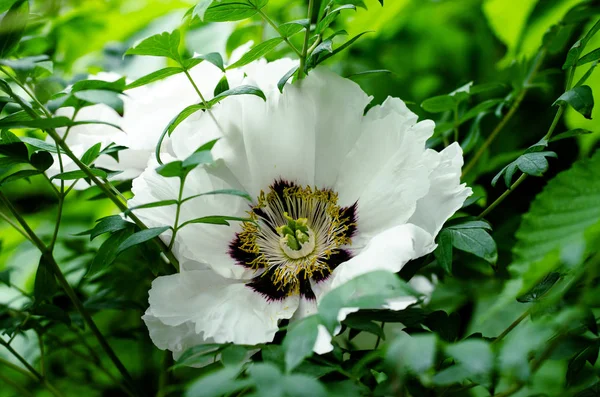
[
  {"x": 336, "y": 193},
  {"x": 148, "y": 110}
]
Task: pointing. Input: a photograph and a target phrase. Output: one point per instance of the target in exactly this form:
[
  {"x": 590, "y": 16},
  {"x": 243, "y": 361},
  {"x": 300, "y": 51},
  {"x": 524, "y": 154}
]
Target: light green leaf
[
  {"x": 300, "y": 341},
  {"x": 161, "y": 45},
  {"x": 257, "y": 52},
  {"x": 155, "y": 76}
]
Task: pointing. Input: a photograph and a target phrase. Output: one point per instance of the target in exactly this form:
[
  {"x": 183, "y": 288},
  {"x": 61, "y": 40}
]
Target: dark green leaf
[
  {"x": 443, "y": 252},
  {"x": 475, "y": 241},
  {"x": 198, "y": 354},
  {"x": 298, "y": 385},
  {"x": 141, "y": 237},
  {"x": 369, "y": 73},
  {"x": 284, "y": 79},
  {"x": 257, "y": 52},
  {"x": 5, "y": 277},
  {"x": 41, "y": 160},
  {"x": 13, "y": 26},
  {"x": 109, "y": 224},
  {"x": 483, "y": 107},
  {"x": 329, "y": 18},
  {"x": 580, "y": 98},
  {"x": 172, "y": 169},
  {"x": 240, "y": 90},
  {"x": 154, "y": 204},
  {"x": 19, "y": 175},
  {"x": 214, "y": 57},
  {"x": 534, "y": 163},
  {"x": 55, "y": 122},
  {"x": 72, "y": 175},
  {"x": 52, "y": 312},
  {"x": 218, "y": 383},
  {"x": 91, "y": 154},
  {"x": 540, "y": 289},
  {"x": 107, "y": 253},
  {"x": 45, "y": 285},
  {"x": 215, "y": 220},
  {"x": 570, "y": 134},
  {"x": 589, "y": 57},
  {"x": 114, "y": 86},
  {"x": 300, "y": 341},
  {"x": 222, "y": 86},
  {"x": 161, "y": 45}
]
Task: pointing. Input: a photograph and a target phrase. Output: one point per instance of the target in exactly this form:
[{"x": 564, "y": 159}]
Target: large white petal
[
  {"x": 205, "y": 243},
  {"x": 385, "y": 170},
  {"x": 389, "y": 250},
  {"x": 174, "y": 338},
  {"x": 340, "y": 104},
  {"x": 219, "y": 308},
  {"x": 446, "y": 194}
]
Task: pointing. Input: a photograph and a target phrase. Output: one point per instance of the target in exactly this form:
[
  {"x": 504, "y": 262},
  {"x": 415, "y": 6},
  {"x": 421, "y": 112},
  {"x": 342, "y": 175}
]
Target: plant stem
[
  {"x": 311, "y": 4},
  {"x": 511, "y": 112},
  {"x": 177, "y": 212},
  {"x": 42, "y": 356},
  {"x": 47, "y": 255},
  {"x": 502, "y": 197},
  {"x": 512, "y": 326},
  {"x": 14, "y": 225},
  {"x": 204, "y": 102},
  {"x": 456, "y": 135},
  {"x": 286, "y": 39},
  {"x": 32, "y": 371}
]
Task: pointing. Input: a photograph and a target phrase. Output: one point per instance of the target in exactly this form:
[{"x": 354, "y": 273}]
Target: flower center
[
  {"x": 297, "y": 239},
  {"x": 299, "y": 235}
]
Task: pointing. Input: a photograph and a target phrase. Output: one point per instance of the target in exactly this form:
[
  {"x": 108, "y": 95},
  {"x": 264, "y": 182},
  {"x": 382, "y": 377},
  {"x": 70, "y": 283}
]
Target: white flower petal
[
  {"x": 389, "y": 250},
  {"x": 176, "y": 339},
  {"x": 219, "y": 308},
  {"x": 446, "y": 194},
  {"x": 386, "y": 172},
  {"x": 323, "y": 344}
]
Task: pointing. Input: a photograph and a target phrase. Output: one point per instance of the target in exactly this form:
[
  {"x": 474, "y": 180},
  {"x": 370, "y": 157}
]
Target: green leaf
[
  {"x": 289, "y": 29},
  {"x": 154, "y": 76},
  {"x": 114, "y": 86},
  {"x": 580, "y": 98},
  {"x": 55, "y": 122},
  {"x": 39, "y": 144},
  {"x": 240, "y": 90},
  {"x": 214, "y": 57},
  {"x": 368, "y": 73},
  {"x": 257, "y": 52},
  {"x": 107, "y": 253},
  {"x": 22, "y": 174},
  {"x": 218, "y": 383},
  {"x": 439, "y": 104},
  {"x": 222, "y": 86},
  {"x": 331, "y": 16},
  {"x": 232, "y": 10},
  {"x": 171, "y": 170},
  {"x": 72, "y": 175},
  {"x": 540, "y": 289},
  {"x": 109, "y": 224},
  {"x": 215, "y": 220},
  {"x": 570, "y": 134},
  {"x": 5, "y": 277},
  {"x": 300, "y": 341},
  {"x": 474, "y": 355},
  {"x": 109, "y": 98},
  {"x": 162, "y": 203},
  {"x": 368, "y": 291},
  {"x": 201, "y": 8},
  {"x": 298, "y": 385},
  {"x": 534, "y": 163},
  {"x": 413, "y": 353},
  {"x": 267, "y": 378},
  {"x": 161, "y": 45},
  {"x": 52, "y": 312},
  {"x": 91, "y": 154},
  {"x": 562, "y": 213},
  {"x": 483, "y": 107},
  {"x": 141, "y": 237},
  {"x": 13, "y": 26},
  {"x": 284, "y": 79},
  {"x": 475, "y": 241},
  {"x": 45, "y": 286},
  {"x": 198, "y": 354},
  {"x": 589, "y": 57},
  {"x": 443, "y": 252},
  {"x": 41, "y": 160}
]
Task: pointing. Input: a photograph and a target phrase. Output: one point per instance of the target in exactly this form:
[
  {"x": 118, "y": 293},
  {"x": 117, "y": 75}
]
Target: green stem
[
  {"x": 502, "y": 197},
  {"x": 509, "y": 115},
  {"x": 47, "y": 255},
  {"x": 32, "y": 371},
  {"x": 14, "y": 225},
  {"x": 42, "y": 355},
  {"x": 512, "y": 326},
  {"x": 177, "y": 212},
  {"x": 286, "y": 39},
  {"x": 204, "y": 101},
  {"x": 304, "y": 54}
]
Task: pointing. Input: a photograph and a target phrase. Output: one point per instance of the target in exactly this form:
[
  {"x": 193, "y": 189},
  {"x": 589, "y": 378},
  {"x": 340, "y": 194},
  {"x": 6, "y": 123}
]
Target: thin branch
[
  {"x": 274, "y": 25},
  {"x": 304, "y": 54}
]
